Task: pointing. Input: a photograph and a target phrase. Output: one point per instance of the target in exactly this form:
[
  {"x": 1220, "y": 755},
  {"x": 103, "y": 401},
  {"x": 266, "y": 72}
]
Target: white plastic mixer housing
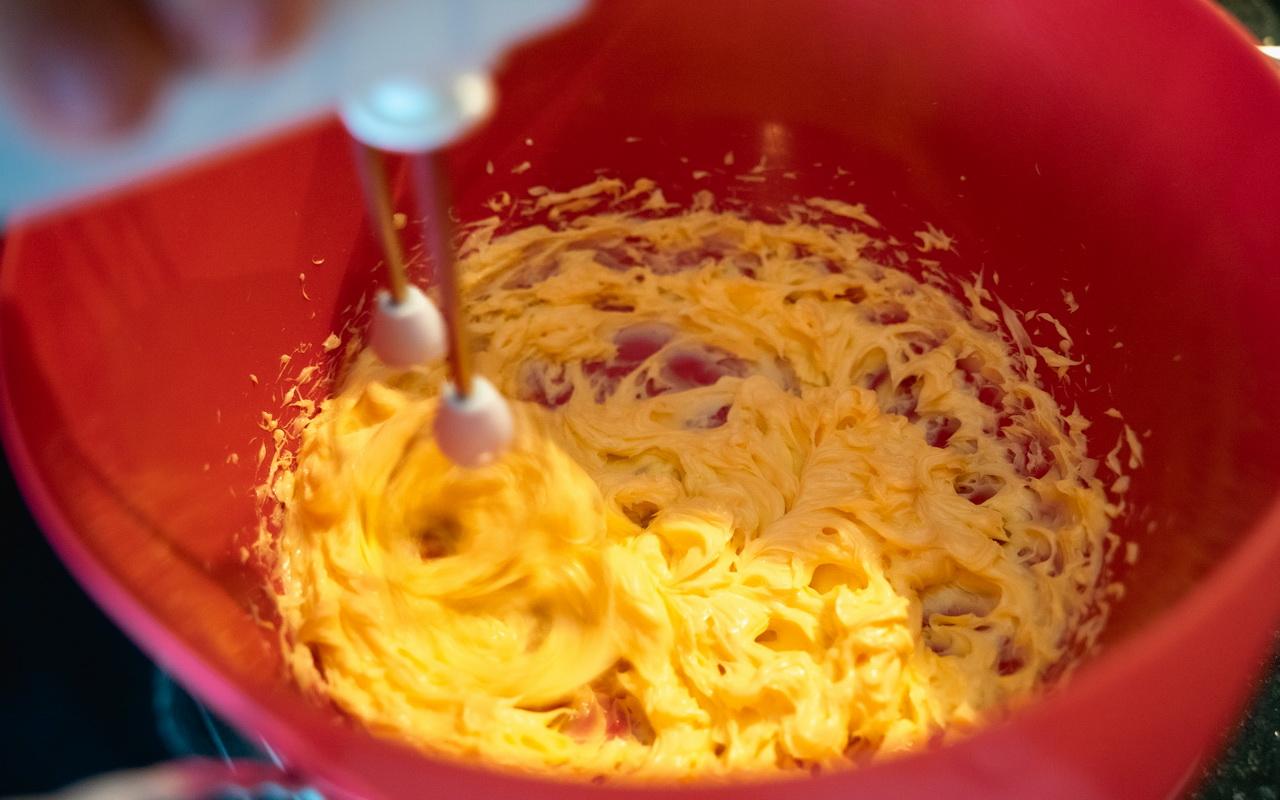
[{"x": 354, "y": 54}]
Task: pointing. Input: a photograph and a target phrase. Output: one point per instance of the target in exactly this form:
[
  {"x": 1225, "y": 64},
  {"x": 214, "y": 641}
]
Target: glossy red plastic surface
[{"x": 1123, "y": 151}]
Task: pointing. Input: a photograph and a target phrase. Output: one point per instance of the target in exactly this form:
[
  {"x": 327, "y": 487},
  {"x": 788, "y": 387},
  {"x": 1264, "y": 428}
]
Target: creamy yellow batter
[{"x": 773, "y": 505}]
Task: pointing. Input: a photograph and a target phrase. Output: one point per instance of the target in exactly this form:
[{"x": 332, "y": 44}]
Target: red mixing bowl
[{"x": 1123, "y": 151}]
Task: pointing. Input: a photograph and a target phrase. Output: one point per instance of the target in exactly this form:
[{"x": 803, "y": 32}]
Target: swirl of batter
[{"x": 773, "y": 505}]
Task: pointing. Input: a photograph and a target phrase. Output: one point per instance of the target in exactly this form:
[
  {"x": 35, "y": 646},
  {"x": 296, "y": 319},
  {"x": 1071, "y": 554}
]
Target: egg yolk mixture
[{"x": 773, "y": 504}]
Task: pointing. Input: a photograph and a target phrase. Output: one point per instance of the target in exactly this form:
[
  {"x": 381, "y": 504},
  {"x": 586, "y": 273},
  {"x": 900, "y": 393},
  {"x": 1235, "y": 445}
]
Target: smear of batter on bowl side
[{"x": 773, "y": 505}]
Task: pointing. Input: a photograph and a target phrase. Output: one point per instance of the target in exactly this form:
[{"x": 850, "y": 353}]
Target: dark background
[{"x": 77, "y": 698}]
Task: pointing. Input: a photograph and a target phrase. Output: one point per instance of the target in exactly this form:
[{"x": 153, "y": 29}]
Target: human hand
[
  {"x": 188, "y": 779},
  {"x": 83, "y": 68}
]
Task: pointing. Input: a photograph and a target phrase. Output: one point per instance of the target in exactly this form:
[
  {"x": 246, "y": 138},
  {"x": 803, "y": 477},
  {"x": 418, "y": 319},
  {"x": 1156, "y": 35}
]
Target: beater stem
[
  {"x": 377, "y": 192},
  {"x": 432, "y": 189}
]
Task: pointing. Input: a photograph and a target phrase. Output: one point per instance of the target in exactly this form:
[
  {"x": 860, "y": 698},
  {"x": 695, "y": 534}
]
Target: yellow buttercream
[{"x": 772, "y": 505}]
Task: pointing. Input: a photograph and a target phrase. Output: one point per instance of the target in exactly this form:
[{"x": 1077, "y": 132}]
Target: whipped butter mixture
[{"x": 774, "y": 504}]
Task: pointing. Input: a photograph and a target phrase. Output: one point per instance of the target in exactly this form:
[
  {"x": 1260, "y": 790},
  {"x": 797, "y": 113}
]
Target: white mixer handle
[{"x": 350, "y": 48}]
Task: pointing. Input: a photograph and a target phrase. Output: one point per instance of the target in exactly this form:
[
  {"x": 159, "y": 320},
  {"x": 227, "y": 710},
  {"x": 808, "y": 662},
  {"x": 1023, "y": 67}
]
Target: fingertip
[
  {"x": 201, "y": 775},
  {"x": 82, "y": 71},
  {"x": 65, "y": 90}
]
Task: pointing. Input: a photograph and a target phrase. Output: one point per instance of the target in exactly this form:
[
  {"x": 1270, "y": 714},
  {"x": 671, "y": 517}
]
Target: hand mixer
[{"x": 408, "y": 77}]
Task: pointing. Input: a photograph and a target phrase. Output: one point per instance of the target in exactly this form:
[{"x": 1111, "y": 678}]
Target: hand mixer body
[{"x": 351, "y": 54}]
